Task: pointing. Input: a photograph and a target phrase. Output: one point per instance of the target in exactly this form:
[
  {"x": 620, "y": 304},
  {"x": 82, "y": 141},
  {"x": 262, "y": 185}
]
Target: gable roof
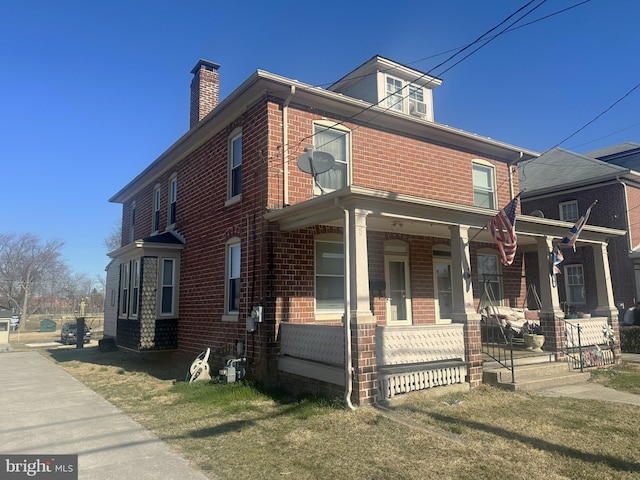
[
  {"x": 562, "y": 169},
  {"x": 623, "y": 154}
]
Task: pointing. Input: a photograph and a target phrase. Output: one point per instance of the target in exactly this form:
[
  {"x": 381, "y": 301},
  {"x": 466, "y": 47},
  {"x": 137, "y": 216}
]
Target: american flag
[
  {"x": 558, "y": 258},
  {"x": 570, "y": 238},
  {"x": 503, "y": 230}
]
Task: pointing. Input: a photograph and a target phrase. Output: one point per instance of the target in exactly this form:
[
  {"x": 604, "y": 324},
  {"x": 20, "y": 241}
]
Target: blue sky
[{"x": 92, "y": 92}]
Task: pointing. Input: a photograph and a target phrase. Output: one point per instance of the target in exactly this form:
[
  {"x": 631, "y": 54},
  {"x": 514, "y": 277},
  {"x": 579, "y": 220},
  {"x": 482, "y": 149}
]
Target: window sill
[
  {"x": 230, "y": 317},
  {"x": 329, "y": 316},
  {"x": 233, "y": 200}
]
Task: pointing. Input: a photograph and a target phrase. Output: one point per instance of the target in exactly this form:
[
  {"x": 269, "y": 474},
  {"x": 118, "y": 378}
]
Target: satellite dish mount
[{"x": 315, "y": 162}]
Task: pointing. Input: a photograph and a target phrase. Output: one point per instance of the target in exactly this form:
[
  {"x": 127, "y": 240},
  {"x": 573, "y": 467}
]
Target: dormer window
[
  {"x": 394, "y": 94},
  {"x": 405, "y": 97},
  {"x": 417, "y": 106}
]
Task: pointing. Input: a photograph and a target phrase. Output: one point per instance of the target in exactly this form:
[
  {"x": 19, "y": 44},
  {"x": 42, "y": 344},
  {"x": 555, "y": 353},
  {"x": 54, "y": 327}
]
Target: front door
[
  {"x": 443, "y": 295},
  {"x": 398, "y": 290}
]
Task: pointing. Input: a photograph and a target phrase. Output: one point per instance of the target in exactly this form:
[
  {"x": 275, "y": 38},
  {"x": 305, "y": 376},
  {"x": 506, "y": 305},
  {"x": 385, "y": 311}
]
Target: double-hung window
[
  {"x": 135, "y": 287},
  {"x": 329, "y": 264},
  {"x": 394, "y": 94},
  {"x": 156, "y": 210},
  {"x": 124, "y": 289},
  {"x": 484, "y": 194},
  {"x": 168, "y": 286},
  {"x": 336, "y": 142},
  {"x": 569, "y": 211},
  {"x": 574, "y": 283},
  {"x": 235, "y": 165},
  {"x": 173, "y": 199},
  {"x": 417, "y": 106},
  {"x": 233, "y": 277},
  {"x": 489, "y": 278}
]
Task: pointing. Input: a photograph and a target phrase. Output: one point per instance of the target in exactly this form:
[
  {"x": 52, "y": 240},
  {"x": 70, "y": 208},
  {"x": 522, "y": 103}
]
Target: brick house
[
  {"x": 561, "y": 185},
  {"x": 391, "y": 237}
]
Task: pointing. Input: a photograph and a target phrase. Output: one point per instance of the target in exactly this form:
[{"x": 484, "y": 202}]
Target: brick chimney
[{"x": 205, "y": 88}]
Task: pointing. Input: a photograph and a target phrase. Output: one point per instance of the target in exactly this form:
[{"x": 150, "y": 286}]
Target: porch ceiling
[{"x": 393, "y": 212}]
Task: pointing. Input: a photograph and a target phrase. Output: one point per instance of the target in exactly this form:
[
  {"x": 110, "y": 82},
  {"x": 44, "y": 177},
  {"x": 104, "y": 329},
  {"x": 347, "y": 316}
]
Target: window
[
  {"x": 483, "y": 186},
  {"x": 156, "y": 210},
  {"x": 135, "y": 287},
  {"x": 167, "y": 287},
  {"x": 233, "y": 277},
  {"x": 417, "y": 106},
  {"x": 574, "y": 282},
  {"x": 235, "y": 165},
  {"x": 173, "y": 198},
  {"x": 335, "y": 142},
  {"x": 394, "y": 94},
  {"x": 132, "y": 223},
  {"x": 569, "y": 211},
  {"x": 124, "y": 289},
  {"x": 489, "y": 276},
  {"x": 329, "y": 276}
]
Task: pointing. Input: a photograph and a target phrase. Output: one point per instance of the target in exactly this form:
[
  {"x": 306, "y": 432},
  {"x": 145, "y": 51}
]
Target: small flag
[
  {"x": 503, "y": 230},
  {"x": 570, "y": 238},
  {"x": 558, "y": 258}
]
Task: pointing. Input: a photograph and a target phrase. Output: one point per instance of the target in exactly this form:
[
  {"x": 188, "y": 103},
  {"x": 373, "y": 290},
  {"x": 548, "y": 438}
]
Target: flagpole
[{"x": 485, "y": 226}]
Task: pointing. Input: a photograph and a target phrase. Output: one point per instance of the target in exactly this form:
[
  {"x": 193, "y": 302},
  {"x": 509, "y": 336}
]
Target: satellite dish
[
  {"x": 537, "y": 213},
  {"x": 315, "y": 162}
]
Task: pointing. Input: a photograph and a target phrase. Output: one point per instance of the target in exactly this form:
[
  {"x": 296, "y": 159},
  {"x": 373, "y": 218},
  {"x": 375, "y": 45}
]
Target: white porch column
[
  {"x": 548, "y": 292},
  {"x": 606, "y": 304},
  {"x": 461, "y": 285},
  {"x": 359, "y": 265}
]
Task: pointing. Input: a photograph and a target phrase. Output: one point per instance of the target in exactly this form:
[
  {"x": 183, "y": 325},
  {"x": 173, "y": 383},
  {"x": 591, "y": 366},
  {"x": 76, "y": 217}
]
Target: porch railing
[
  {"x": 497, "y": 343},
  {"x": 588, "y": 343}
]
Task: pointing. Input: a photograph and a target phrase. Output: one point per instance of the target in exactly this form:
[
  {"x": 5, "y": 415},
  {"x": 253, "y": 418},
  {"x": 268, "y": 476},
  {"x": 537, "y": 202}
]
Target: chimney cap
[{"x": 206, "y": 64}]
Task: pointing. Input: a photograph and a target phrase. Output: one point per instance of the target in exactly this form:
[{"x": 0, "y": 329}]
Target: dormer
[{"x": 391, "y": 85}]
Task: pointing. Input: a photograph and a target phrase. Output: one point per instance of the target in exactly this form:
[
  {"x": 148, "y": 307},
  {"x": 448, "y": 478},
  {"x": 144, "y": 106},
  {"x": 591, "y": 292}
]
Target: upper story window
[
  {"x": 329, "y": 265},
  {"x": 156, "y": 210},
  {"x": 336, "y": 142},
  {"x": 394, "y": 94},
  {"x": 132, "y": 223},
  {"x": 569, "y": 211},
  {"x": 232, "y": 292},
  {"x": 235, "y": 165},
  {"x": 173, "y": 199},
  {"x": 484, "y": 193},
  {"x": 417, "y": 105}
]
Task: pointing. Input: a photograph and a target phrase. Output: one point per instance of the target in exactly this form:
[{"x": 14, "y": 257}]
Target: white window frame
[
  {"x": 489, "y": 171},
  {"x": 342, "y": 164},
  {"x": 155, "y": 215},
  {"x": 235, "y": 161},
  {"x": 132, "y": 222},
  {"x": 167, "y": 288},
  {"x": 564, "y": 208},
  {"x": 394, "y": 93},
  {"x": 232, "y": 274},
  {"x": 321, "y": 276},
  {"x": 498, "y": 275},
  {"x": 135, "y": 288},
  {"x": 569, "y": 284},
  {"x": 124, "y": 290},
  {"x": 173, "y": 201}
]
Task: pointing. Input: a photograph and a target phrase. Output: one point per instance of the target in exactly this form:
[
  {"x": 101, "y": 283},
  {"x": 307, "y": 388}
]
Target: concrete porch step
[{"x": 533, "y": 376}]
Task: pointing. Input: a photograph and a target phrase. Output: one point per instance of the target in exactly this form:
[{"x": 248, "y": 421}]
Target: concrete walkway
[
  {"x": 594, "y": 391},
  {"x": 45, "y": 411}
]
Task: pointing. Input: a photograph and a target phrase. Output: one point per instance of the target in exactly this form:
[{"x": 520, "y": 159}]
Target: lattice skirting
[
  {"x": 392, "y": 384},
  {"x": 591, "y": 357}
]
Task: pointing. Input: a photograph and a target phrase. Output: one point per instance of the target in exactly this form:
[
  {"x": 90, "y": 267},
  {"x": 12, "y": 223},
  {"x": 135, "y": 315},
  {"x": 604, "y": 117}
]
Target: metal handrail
[
  {"x": 498, "y": 346},
  {"x": 572, "y": 331}
]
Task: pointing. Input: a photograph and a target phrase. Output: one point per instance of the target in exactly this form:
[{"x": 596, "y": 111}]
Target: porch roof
[{"x": 407, "y": 214}]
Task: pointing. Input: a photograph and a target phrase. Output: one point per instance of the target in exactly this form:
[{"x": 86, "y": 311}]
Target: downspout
[
  {"x": 285, "y": 147},
  {"x": 348, "y": 367}
]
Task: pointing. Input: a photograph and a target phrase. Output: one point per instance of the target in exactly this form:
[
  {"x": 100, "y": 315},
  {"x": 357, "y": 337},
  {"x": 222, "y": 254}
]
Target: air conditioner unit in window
[{"x": 417, "y": 109}]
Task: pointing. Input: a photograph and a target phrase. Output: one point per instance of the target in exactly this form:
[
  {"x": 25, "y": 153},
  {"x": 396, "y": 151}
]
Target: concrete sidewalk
[{"x": 45, "y": 411}]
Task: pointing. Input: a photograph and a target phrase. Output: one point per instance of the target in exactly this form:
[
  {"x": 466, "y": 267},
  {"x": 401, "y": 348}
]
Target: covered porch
[{"x": 393, "y": 343}]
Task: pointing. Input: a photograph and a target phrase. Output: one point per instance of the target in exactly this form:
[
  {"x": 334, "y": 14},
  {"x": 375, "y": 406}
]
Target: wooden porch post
[
  {"x": 551, "y": 315},
  {"x": 463, "y": 310},
  {"x": 606, "y": 304},
  {"x": 362, "y": 321}
]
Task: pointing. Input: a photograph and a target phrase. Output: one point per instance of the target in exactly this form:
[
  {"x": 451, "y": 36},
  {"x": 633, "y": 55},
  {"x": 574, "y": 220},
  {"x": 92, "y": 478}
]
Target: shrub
[{"x": 630, "y": 339}]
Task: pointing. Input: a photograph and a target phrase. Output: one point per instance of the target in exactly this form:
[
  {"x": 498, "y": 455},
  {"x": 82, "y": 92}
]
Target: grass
[{"x": 242, "y": 431}]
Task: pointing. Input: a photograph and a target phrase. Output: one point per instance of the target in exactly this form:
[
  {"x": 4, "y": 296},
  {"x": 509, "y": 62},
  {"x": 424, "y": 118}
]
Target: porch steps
[{"x": 532, "y": 374}]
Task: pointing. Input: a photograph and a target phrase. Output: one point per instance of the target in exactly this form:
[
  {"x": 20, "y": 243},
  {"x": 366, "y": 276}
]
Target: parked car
[
  {"x": 14, "y": 323},
  {"x": 70, "y": 330}
]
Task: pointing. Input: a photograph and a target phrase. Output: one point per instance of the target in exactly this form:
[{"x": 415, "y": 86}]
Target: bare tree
[
  {"x": 25, "y": 261},
  {"x": 114, "y": 240}
]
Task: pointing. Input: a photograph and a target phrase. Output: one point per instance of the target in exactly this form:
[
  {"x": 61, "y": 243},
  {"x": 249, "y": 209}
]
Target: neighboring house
[
  {"x": 228, "y": 244},
  {"x": 561, "y": 185}
]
